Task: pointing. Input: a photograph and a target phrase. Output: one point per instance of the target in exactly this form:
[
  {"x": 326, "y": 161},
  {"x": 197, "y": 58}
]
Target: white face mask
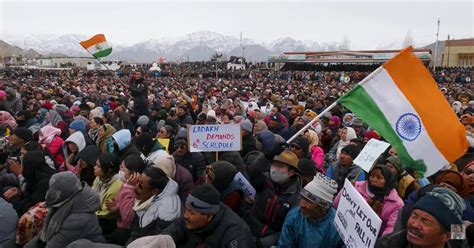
[
  {"x": 121, "y": 175},
  {"x": 278, "y": 176}
]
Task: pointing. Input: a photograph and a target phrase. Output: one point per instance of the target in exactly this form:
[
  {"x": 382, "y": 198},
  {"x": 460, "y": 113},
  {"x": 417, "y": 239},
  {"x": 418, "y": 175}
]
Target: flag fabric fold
[
  {"x": 97, "y": 46},
  {"x": 402, "y": 102}
]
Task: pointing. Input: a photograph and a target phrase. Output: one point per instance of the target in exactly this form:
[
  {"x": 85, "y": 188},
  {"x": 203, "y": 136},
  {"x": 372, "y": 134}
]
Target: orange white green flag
[
  {"x": 97, "y": 46},
  {"x": 402, "y": 102}
]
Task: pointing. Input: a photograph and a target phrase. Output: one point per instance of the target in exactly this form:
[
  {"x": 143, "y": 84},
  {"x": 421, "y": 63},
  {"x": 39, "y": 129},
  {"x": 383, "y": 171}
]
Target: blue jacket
[{"x": 299, "y": 231}]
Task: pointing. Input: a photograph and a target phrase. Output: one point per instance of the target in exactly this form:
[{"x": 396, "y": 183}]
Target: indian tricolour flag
[
  {"x": 97, "y": 46},
  {"x": 402, "y": 102}
]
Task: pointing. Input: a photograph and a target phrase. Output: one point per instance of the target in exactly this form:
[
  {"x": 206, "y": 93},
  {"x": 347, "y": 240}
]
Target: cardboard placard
[
  {"x": 357, "y": 224},
  {"x": 214, "y": 138},
  {"x": 372, "y": 150}
]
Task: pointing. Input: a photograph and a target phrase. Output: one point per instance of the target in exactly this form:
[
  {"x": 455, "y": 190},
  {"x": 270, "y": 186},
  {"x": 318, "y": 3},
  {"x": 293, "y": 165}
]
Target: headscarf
[
  {"x": 469, "y": 178},
  {"x": 455, "y": 180},
  {"x": 42, "y": 115},
  {"x": 348, "y": 123},
  {"x": 456, "y": 106},
  {"x": 337, "y": 122},
  {"x": 381, "y": 192},
  {"x": 7, "y": 119},
  {"x": 48, "y": 133},
  {"x": 313, "y": 137},
  {"x": 351, "y": 134},
  {"x": 53, "y": 118}
]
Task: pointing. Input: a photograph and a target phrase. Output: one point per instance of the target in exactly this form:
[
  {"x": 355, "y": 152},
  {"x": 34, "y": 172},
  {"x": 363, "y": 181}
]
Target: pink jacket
[
  {"x": 124, "y": 203},
  {"x": 317, "y": 155},
  {"x": 392, "y": 204}
]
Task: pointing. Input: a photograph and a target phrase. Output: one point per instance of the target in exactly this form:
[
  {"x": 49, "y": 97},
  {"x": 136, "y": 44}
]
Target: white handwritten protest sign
[
  {"x": 370, "y": 153},
  {"x": 357, "y": 224},
  {"x": 214, "y": 138},
  {"x": 249, "y": 190}
]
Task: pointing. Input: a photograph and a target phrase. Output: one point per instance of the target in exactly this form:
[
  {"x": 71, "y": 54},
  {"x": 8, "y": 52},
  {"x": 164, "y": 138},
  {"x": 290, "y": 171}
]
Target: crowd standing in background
[{"x": 82, "y": 165}]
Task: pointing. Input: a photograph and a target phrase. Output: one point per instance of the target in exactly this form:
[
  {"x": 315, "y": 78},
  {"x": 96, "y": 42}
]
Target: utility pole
[
  {"x": 449, "y": 50},
  {"x": 243, "y": 49},
  {"x": 436, "y": 48}
]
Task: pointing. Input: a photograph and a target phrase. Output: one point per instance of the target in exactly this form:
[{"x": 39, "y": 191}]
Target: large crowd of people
[{"x": 101, "y": 159}]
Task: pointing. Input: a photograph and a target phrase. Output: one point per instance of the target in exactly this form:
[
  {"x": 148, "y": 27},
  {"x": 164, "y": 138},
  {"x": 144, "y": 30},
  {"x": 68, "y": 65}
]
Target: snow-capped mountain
[{"x": 194, "y": 46}]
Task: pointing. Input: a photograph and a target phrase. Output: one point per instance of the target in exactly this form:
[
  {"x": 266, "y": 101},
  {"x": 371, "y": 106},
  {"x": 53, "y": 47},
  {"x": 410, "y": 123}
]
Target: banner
[
  {"x": 249, "y": 190},
  {"x": 370, "y": 154},
  {"x": 356, "y": 222},
  {"x": 214, "y": 138}
]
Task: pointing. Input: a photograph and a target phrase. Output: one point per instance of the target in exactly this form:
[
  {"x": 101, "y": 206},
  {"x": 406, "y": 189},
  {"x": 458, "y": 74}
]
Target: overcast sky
[{"x": 366, "y": 23}]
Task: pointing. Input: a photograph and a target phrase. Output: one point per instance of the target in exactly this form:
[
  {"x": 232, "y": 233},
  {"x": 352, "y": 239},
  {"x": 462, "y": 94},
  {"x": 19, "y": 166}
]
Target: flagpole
[
  {"x": 330, "y": 107},
  {"x": 102, "y": 63},
  {"x": 107, "y": 67}
]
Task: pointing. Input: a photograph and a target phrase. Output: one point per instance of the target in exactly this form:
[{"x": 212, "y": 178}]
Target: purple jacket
[
  {"x": 185, "y": 182},
  {"x": 391, "y": 205}
]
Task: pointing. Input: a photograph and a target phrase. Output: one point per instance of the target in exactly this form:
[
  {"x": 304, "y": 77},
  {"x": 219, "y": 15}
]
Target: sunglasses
[
  {"x": 180, "y": 146},
  {"x": 296, "y": 147}
]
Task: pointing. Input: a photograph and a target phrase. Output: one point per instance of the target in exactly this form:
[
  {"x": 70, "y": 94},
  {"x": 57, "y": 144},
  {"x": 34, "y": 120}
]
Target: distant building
[
  {"x": 344, "y": 58},
  {"x": 64, "y": 62},
  {"x": 458, "y": 53}
]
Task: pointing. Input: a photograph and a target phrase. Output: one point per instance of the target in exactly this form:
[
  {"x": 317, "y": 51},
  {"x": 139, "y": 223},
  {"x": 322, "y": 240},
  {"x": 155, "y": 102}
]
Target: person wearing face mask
[
  {"x": 379, "y": 192},
  {"x": 129, "y": 174},
  {"x": 311, "y": 223},
  {"x": 273, "y": 201}
]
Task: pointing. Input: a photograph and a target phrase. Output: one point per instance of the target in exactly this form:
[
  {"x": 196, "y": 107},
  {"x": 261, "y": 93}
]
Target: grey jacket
[
  {"x": 81, "y": 223},
  {"x": 8, "y": 220}
]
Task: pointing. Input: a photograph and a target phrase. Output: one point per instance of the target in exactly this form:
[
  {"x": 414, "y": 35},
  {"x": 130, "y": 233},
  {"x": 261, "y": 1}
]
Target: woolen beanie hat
[
  {"x": 78, "y": 125},
  {"x": 246, "y": 125},
  {"x": 89, "y": 154},
  {"x": 397, "y": 163},
  {"x": 204, "y": 199},
  {"x": 352, "y": 150},
  {"x": 23, "y": 133},
  {"x": 166, "y": 163},
  {"x": 320, "y": 190},
  {"x": 223, "y": 174},
  {"x": 444, "y": 205},
  {"x": 143, "y": 120}
]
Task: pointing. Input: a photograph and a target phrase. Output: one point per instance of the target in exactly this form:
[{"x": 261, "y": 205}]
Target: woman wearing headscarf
[
  {"x": 129, "y": 174},
  {"x": 346, "y": 134},
  {"x": 468, "y": 175},
  {"x": 94, "y": 126},
  {"x": 104, "y": 133},
  {"x": 54, "y": 118},
  {"x": 107, "y": 183},
  {"x": 71, "y": 213},
  {"x": 380, "y": 194},
  {"x": 49, "y": 138},
  {"x": 8, "y": 120},
  {"x": 348, "y": 119},
  {"x": 36, "y": 173},
  {"x": 316, "y": 152},
  {"x": 72, "y": 146},
  {"x": 456, "y": 183}
]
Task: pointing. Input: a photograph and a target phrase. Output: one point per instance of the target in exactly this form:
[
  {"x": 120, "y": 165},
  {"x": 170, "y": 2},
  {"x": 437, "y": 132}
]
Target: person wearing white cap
[{"x": 311, "y": 223}]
